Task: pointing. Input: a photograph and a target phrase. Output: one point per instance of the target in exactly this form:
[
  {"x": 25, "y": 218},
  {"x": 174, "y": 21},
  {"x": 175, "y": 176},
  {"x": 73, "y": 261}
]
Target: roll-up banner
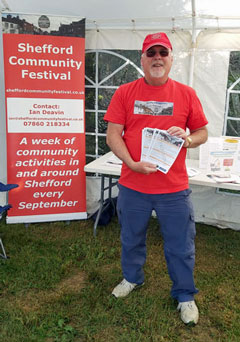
[{"x": 44, "y": 89}]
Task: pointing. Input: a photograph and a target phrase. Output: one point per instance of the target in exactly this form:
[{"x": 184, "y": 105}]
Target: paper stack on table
[
  {"x": 160, "y": 148},
  {"x": 114, "y": 161},
  {"x": 228, "y": 178},
  {"x": 192, "y": 172}
]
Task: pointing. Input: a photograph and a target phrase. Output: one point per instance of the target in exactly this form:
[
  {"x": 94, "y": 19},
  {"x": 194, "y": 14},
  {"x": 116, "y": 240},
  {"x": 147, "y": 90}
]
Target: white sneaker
[
  {"x": 189, "y": 312},
  {"x": 124, "y": 288}
]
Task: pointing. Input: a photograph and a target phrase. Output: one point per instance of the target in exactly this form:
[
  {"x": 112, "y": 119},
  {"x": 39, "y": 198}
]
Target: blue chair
[{"x": 3, "y": 209}]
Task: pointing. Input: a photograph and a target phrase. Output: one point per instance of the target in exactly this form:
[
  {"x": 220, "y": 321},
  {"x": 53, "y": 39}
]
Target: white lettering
[
  {"x": 48, "y": 194},
  {"x": 47, "y": 183},
  {"x": 45, "y": 48},
  {"x": 23, "y": 141},
  {"x": 47, "y": 75},
  {"x": 41, "y": 204}
]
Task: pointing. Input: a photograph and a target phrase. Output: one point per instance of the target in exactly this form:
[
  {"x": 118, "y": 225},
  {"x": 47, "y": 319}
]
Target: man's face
[{"x": 156, "y": 63}]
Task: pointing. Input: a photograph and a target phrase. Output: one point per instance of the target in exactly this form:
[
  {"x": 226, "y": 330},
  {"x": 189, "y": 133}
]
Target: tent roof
[{"x": 137, "y": 14}]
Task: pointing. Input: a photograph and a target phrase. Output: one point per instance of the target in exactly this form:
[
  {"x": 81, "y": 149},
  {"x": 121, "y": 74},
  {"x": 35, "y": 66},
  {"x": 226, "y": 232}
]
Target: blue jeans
[{"x": 175, "y": 216}]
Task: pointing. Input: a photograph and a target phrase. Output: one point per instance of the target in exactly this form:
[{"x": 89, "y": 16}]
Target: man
[{"x": 142, "y": 188}]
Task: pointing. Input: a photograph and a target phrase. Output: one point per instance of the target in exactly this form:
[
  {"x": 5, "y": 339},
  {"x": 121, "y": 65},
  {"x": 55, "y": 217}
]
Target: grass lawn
[{"x": 57, "y": 283}]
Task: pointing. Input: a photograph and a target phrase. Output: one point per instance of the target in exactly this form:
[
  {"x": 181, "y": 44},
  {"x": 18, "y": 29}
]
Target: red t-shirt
[{"x": 137, "y": 105}]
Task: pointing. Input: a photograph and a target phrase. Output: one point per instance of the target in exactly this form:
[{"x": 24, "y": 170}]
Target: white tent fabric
[
  {"x": 202, "y": 33},
  {"x": 138, "y": 14}
]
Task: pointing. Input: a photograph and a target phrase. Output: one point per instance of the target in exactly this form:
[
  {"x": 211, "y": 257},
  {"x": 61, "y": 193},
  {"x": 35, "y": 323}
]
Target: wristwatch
[{"x": 189, "y": 142}]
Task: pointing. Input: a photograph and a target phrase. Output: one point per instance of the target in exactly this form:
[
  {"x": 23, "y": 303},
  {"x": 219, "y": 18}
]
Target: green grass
[{"x": 57, "y": 283}]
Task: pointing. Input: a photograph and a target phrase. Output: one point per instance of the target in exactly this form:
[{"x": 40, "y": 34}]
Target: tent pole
[
  {"x": 192, "y": 53},
  {"x": 193, "y": 45}
]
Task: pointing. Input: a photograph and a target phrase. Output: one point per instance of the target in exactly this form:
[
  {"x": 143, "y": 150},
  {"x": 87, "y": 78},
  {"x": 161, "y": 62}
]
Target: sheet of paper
[
  {"x": 147, "y": 136},
  {"x": 220, "y": 155},
  {"x": 191, "y": 171},
  {"x": 160, "y": 148},
  {"x": 227, "y": 179},
  {"x": 114, "y": 161}
]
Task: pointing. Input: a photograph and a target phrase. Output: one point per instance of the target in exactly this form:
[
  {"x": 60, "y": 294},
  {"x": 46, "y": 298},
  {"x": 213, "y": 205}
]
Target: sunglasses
[{"x": 152, "y": 53}]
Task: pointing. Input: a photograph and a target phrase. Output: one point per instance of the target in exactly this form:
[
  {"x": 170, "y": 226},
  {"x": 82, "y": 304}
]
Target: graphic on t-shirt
[{"x": 153, "y": 108}]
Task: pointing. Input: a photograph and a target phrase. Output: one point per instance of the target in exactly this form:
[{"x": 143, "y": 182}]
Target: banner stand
[
  {"x": 4, "y": 255},
  {"x": 44, "y": 69}
]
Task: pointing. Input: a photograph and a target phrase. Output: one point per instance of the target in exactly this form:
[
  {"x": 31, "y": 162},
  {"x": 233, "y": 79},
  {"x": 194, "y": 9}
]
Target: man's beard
[{"x": 157, "y": 73}]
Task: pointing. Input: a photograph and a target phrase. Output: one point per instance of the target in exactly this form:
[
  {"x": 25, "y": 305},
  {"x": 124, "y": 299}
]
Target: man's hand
[
  {"x": 177, "y": 132},
  {"x": 143, "y": 167},
  {"x": 198, "y": 136}
]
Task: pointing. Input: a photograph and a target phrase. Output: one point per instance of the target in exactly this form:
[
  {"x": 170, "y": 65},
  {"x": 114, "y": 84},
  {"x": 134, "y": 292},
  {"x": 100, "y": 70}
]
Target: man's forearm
[
  {"x": 119, "y": 148},
  {"x": 117, "y": 145},
  {"x": 198, "y": 137}
]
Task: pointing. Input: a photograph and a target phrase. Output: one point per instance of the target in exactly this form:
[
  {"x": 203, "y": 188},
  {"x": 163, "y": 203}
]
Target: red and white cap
[{"x": 159, "y": 38}]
